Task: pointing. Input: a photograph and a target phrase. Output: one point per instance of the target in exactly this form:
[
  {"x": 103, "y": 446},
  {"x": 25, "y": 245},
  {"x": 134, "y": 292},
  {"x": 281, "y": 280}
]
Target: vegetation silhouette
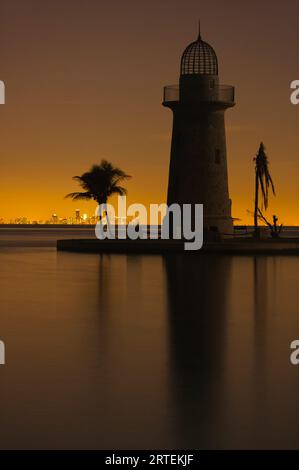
[
  {"x": 275, "y": 230},
  {"x": 263, "y": 182},
  {"x": 99, "y": 183}
]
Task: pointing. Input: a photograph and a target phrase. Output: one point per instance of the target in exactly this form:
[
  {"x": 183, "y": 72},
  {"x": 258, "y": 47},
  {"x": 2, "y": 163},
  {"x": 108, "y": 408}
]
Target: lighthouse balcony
[{"x": 218, "y": 94}]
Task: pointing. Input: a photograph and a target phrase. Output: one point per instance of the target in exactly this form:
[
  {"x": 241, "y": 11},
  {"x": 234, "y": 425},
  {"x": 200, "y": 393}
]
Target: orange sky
[{"x": 84, "y": 82}]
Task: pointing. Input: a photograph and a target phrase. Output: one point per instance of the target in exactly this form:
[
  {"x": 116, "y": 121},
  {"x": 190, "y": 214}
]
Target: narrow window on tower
[{"x": 217, "y": 156}]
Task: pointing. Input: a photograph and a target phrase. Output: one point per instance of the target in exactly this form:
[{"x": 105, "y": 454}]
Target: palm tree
[
  {"x": 99, "y": 183},
  {"x": 263, "y": 182}
]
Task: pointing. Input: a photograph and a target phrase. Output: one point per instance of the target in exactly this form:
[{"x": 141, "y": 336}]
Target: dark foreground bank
[{"x": 237, "y": 246}]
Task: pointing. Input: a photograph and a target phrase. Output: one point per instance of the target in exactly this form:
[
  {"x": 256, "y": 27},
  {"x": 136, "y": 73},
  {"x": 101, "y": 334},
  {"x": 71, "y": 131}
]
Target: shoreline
[{"x": 236, "y": 247}]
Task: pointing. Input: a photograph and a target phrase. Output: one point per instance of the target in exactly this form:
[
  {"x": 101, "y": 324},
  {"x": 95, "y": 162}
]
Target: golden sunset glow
[{"x": 82, "y": 87}]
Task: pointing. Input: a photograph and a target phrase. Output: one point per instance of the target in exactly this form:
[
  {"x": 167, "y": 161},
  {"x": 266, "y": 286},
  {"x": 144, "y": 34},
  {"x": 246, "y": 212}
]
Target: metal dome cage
[{"x": 199, "y": 58}]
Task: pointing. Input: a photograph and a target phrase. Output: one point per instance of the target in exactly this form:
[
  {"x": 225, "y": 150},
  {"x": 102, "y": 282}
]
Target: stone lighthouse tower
[{"x": 198, "y": 165}]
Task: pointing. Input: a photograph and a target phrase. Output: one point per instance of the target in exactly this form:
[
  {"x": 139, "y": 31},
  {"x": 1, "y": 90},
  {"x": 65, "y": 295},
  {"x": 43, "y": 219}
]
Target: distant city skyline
[{"x": 77, "y": 217}]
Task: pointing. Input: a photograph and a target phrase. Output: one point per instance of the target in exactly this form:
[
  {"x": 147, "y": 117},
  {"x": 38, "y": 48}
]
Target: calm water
[{"x": 147, "y": 352}]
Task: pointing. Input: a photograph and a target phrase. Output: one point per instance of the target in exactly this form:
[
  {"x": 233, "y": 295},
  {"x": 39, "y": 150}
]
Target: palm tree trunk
[
  {"x": 256, "y": 206},
  {"x": 102, "y": 214},
  {"x": 107, "y": 217}
]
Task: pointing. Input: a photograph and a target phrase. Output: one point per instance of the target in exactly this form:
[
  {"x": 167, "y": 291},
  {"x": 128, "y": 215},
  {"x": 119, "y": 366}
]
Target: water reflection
[
  {"x": 197, "y": 293},
  {"x": 148, "y": 352},
  {"x": 133, "y": 353},
  {"x": 230, "y": 322}
]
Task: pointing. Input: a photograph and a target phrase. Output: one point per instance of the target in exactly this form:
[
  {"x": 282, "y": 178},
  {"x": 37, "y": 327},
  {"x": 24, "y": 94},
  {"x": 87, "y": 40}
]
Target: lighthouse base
[{"x": 218, "y": 227}]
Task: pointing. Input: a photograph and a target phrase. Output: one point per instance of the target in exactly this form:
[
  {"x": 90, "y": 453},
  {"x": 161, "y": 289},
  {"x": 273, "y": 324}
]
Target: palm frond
[
  {"x": 270, "y": 181},
  {"x": 79, "y": 196},
  {"x": 263, "y": 190},
  {"x": 100, "y": 182},
  {"x": 263, "y": 173},
  {"x": 118, "y": 190}
]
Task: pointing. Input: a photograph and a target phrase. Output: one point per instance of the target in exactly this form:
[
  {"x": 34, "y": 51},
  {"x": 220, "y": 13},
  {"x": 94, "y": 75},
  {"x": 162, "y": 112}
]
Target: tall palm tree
[
  {"x": 99, "y": 183},
  {"x": 263, "y": 182}
]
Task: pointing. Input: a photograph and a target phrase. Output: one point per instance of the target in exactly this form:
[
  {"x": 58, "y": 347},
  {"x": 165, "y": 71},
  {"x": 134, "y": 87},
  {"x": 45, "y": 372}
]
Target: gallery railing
[{"x": 223, "y": 93}]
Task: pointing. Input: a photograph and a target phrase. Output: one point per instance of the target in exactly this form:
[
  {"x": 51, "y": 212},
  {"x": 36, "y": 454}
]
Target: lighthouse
[{"x": 198, "y": 161}]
